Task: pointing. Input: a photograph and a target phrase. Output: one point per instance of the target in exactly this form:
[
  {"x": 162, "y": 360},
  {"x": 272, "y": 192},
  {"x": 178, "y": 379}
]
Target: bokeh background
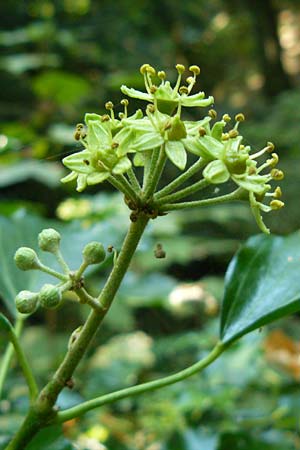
[{"x": 60, "y": 59}]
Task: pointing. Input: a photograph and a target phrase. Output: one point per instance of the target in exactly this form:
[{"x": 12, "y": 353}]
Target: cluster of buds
[
  {"x": 114, "y": 146},
  {"x": 50, "y": 296}
]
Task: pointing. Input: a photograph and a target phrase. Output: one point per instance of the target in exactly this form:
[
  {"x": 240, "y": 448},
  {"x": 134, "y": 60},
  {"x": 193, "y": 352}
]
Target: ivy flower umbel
[
  {"x": 227, "y": 158},
  {"x": 165, "y": 97},
  {"x": 106, "y": 144}
]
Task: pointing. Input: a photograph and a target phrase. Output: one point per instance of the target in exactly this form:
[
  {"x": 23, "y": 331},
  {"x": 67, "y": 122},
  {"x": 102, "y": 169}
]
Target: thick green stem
[
  {"x": 145, "y": 387},
  {"x": 189, "y": 190},
  {"x": 235, "y": 195},
  {"x": 9, "y": 353},
  {"x": 43, "y": 412},
  {"x": 181, "y": 179}
]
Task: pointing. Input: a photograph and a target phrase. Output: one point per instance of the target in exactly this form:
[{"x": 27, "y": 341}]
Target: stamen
[
  {"x": 277, "y": 174},
  {"x": 276, "y": 204},
  {"x": 233, "y": 133},
  {"x": 195, "y": 69},
  {"x": 125, "y": 103},
  {"x": 180, "y": 69}
]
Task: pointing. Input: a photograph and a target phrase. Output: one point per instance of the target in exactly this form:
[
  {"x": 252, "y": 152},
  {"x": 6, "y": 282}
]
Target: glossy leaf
[{"x": 262, "y": 284}]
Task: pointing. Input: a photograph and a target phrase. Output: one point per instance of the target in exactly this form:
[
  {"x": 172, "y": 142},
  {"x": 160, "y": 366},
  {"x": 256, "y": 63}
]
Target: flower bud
[
  {"x": 49, "y": 240},
  {"x": 93, "y": 253},
  {"x": 50, "y": 296},
  {"x": 26, "y": 259},
  {"x": 26, "y": 302}
]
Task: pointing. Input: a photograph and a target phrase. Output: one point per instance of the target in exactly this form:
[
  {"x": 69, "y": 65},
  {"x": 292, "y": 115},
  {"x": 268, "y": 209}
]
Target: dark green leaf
[{"x": 262, "y": 284}]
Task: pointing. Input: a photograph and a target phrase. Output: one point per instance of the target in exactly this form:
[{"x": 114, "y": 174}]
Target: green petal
[
  {"x": 252, "y": 183},
  {"x": 76, "y": 162},
  {"x": 70, "y": 177},
  {"x": 256, "y": 213},
  {"x": 138, "y": 160},
  {"x": 216, "y": 172},
  {"x": 192, "y": 127},
  {"x": 81, "y": 182},
  {"x": 217, "y": 129},
  {"x": 97, "y": 177},
  {"x": 148, "y": 141},
  {"x": 122, "y": 166},
  {"x": 98, "y": 134},
  {"x": 136, "y": 94},
  {"x": 192, "y": 145},
  {"x": 176, "y": 153},
  {"x": 197, "y": 100},
  {"x": 125, "y": 139}
]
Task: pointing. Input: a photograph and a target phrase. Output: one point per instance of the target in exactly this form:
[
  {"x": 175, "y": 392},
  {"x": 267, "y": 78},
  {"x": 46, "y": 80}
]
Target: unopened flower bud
[
  {"x": 50, "y": 296},
  {"x": 180, "y": 68},
  {"x": 26, "y": 259},
  {"x": 49, "y": 240},
  {"x": 94, "y": 253},
  {"x": 195, "y": 69},
  {"x": 26, "y": 302}
]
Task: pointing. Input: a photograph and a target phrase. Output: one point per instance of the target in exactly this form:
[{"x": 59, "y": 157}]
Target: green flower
[
  {"x": 107, "y": 143},
  {"x": 165, "y": 98}
]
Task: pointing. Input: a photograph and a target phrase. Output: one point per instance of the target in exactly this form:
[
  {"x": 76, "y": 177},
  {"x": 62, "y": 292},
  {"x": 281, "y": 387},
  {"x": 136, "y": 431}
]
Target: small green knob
[
  {"x": 26, "y": 259},
  {"x": 50, "y": 296},
  {"x": 26, "y": 302},
  {"x": 49, "y": 240},
  {"x": 93, "y": 253}
]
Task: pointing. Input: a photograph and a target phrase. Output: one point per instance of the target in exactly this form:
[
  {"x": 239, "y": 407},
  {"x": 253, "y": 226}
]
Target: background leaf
[{"x": 262, "y": 284}]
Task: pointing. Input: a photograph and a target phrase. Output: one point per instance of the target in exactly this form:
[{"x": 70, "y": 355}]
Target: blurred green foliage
[{"x": 60, "y": 59}]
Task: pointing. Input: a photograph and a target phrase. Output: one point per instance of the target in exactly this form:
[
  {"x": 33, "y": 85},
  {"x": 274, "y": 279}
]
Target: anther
[
  {"x": 278, "y": 192},
  {"x": 225, "y": 136},
  {"x": 183, "y": 90},
  {"x": 190, "y": 80},
  {"x": 240, "y": 117},
  {"x": 161, "y": 74},
  {"x": 143, "y": 68},
  {"x": 153, "y": 89},
  {"x": 202, "y": 131},
  {"x": 226, "y": 118},
  {"x": 270, "y": 147},
  {"x": 277, "y": 174},
  {"x": 105, "y": 118},
  {"x": 109, "y": 106},
  {"x": 233, "y": 133},
  {"x": 195, "y": 69},
  {"x": 212, "y": 113},
  {"x": 114, "y": 145},
  {"x": 150, "y": 108},
  {"x": 276, "y": 204},
  {"x": 124, "y": 102},
  {"x": 180, "y": 68},
  {"x": 151, "y": 70}
]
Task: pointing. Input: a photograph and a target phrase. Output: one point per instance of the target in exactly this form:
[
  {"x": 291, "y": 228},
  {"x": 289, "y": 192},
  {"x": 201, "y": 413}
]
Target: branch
[
  {"x": 145, "y": 387},
  {"x": 181, "y": 179},
  {"x": 32, "y": 386},
  {"x": 235, "y": 195}
]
